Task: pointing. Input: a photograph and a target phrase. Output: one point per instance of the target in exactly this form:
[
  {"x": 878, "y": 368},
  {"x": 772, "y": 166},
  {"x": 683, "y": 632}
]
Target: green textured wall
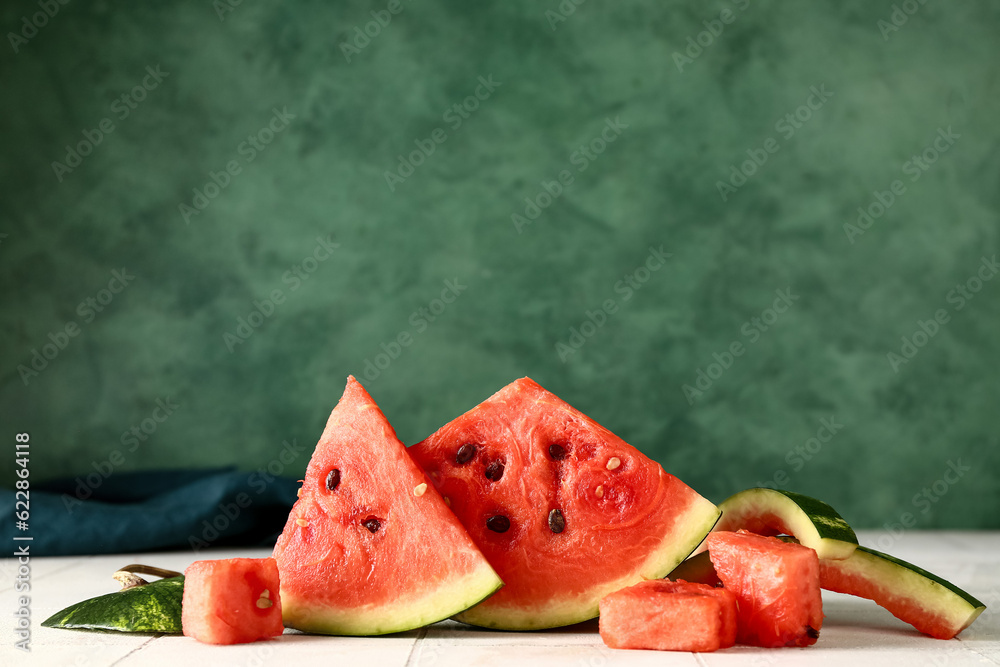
[{"x": 340, "y": 117}]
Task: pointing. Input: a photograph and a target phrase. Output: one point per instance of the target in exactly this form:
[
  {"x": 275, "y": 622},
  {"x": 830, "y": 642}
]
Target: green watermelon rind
[
  {"x": 444, "y": 601},
  {"x": 688, "y": 533},
  {"x": 918, "y": 589},
  {"x": 151, "y": 609},
  {"x": 696, "y": 569},
  {"x": 910, "y": 582},
  {"x": 969, "y": 599},
  {"x": 816, "y": 524}
]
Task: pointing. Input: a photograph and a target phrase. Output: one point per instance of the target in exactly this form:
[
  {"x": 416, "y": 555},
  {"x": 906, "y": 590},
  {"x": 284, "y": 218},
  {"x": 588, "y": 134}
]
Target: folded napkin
[{"x": 153, "y": 511}]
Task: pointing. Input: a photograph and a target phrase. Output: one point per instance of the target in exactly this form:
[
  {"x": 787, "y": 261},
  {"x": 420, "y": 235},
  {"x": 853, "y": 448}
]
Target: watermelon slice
[
  {"x": 641, "y": 617},
  {"x": 771, "y": 512},
  {"x": 564, "y": 510},
  {"x": 231, "y": 601},
  {"x": 370, "y": 547},
  {"x": 776, "y": 586},
  {"x": 932, "y": 605}
]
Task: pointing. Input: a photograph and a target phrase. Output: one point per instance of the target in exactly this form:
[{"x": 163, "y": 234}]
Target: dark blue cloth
[{"x": 153, "y": 511}]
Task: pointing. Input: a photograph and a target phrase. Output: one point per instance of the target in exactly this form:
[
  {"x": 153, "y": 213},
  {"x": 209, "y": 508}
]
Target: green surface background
[{"x": 656, "y": 185}]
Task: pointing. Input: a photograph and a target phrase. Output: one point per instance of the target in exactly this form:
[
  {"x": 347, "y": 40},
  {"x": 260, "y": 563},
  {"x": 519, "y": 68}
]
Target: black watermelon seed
[
  {"x": 812, "y": 632},
  {"x": 498, "y": 523},
  {"x": 372, "y": 524},
  {"x": 494, "y": 471},
  {"x": 557, "y": 452},
  {"x": 333, "y": 480},
  {"x": 557, "y": 523},
  {"x": 465, "y": 453}
]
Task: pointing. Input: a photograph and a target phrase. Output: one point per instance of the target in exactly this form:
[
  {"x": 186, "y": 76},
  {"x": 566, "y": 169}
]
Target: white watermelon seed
[
  {"x": 614, "y": 462},
  {"x": 302, "y": 523},
  {"x": 419, "y": 489},
  {"x": 599, "y": 491},
  {"x": 263, "y": 603}
]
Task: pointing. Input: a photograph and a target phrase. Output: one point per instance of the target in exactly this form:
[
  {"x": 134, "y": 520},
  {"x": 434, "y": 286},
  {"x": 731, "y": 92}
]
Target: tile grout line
[
  {"x": 135, "y": 650},
  {"x": 50, "y": 573},
  {"x": 972, "y": 650},
  {"x": 415, "y": 649}
]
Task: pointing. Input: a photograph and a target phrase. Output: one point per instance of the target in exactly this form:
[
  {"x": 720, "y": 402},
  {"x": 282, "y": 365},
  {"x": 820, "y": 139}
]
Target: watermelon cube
[
  {"x": 232, "y": 601},
  {"x": 669, "y": 616},
  {"x": 776, "y": 586},
  {"x": 727, "y": 603}
]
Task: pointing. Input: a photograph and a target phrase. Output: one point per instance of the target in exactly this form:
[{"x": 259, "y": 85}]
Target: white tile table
[{"x": 855, "y": 632}]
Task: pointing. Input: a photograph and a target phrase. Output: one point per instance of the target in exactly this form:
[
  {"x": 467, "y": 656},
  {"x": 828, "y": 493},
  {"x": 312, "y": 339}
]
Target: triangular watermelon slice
[
  {"x": 370, "y": 547},
  {"x": 565, "y": 510}
]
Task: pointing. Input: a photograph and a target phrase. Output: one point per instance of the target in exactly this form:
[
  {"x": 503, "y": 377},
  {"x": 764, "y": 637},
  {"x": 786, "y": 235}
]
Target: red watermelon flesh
[
  {"x": 727, "y": 602},
  {"x": 776, "y": 586},
  {"x": 370, "y": 547},
  {"x": 231, "y": 601},
  {"x": 641, "y": 617},
  {"x": 564, "y": 510}
]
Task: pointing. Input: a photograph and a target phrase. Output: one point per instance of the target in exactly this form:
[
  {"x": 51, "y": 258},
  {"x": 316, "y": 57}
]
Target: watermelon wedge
[
  {"x": 932, "y": 605},
  {"x": 370, "y": 547},
  {"x": 771, "y": 512},
  {"x": 776, "y": 585},
  {"x": 564, "y": 510}
]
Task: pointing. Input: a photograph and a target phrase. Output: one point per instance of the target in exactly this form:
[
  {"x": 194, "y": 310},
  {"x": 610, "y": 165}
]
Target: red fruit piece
[
  {"x": 776, "y": 584},
  {"x": 727, "y": 602},
  {"x": 565, "y": 511},
  {"x": 643, "y": 617},
  {"x": 232, "y": 601}
]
